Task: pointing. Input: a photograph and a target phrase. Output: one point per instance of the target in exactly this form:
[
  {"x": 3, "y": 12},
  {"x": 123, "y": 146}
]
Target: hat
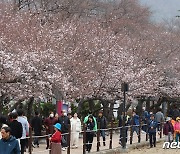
[
  {"x": 4, "y": 125},
  {"x": 101, "y": 111},
  {"x": 152, "y": 115},
  {"x": 58, "y": 126},
  {"x": 168, "y": 118},
  {"x": 178, "y": 118}
]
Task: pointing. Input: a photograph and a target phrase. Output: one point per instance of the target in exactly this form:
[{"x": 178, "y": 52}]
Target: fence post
[
  {"x": 30, "y": 141},
  {"x": 139, "y": 136},
  {"x": 131, "y": 133},
  {"x": 160, "y": 130},
  {"x": 147, "y": 131},
  {"x": 111, "y": 132},
  {"x": 69, "y": 139},
  {"x": 50, "y": 146},
  {"x": 98, "y": 136},
  {"x": 84, "y": 139}
]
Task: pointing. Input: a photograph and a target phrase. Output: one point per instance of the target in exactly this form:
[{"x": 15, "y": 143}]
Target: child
[
  {"x": 168, "y": 130},
  {"x": 56, "y": 140}
]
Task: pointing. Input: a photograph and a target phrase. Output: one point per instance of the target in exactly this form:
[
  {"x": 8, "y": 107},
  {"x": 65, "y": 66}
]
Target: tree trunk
[
  {"x": 148, "y": 105},
  {"x": 156, "y": 106},
  {"x": 139, "y": 107},
  {"x": 111, "y": 115},
  {"x": 120, "y": 110},
  {"x": 2, "y": 98},
  {"x": 1, "y": 104},
  {"x": 91, "y": 105},
  {"x": 164, "y": 107},
  {"x": 105, "y": 108},
  {"x": 16, "y": 104},
  {"x": 80, "y": 104},
  {"x": 29, "y": 108},
  {"x": 128, "y": 106}
]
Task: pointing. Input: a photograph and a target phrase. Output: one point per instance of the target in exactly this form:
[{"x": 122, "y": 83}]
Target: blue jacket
[
  {"x": 152, "y": 126},
  {"x": 10, "y": 146},
  {"x": 135, "y": 119},
  {"x": 145, "y": 116}
]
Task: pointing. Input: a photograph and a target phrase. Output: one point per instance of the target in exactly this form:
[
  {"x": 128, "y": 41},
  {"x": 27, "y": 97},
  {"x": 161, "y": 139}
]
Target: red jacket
[{"x": 56, "y": 137}]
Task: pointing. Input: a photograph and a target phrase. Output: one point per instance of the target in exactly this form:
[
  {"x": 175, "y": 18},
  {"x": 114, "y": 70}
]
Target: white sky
[{"x": 163, "y": 9}]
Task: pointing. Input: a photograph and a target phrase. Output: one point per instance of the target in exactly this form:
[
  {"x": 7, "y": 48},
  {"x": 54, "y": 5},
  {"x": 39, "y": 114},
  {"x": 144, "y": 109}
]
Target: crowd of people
[
  {"x": 15, "y": 129},
  {"x": 152, "y": 124}
]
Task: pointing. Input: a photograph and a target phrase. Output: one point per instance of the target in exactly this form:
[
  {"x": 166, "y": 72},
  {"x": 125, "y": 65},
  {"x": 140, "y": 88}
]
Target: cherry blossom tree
[{"x": 86, "y": 57}]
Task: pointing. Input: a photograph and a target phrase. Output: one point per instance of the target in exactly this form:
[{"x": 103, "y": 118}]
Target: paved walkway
[
  {"x": 79, "y": 150},
  {"x": 157, "y": 150}
]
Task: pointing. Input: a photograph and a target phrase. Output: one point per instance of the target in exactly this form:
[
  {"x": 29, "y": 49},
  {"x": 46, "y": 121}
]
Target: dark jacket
[
  {"x": 64, "y": 121},
  {"x": 175, "y": 113},
  {"x": 10, "y": 146},
  {"x": 127, "y": 122},
  {"x": 49, "y": 123},
  {"x": 16, "y": 129},
  {"x": 36, "y": 124},
  {"x": 102, "y": 122},
  {"x": 168, "y": 127},
  {"x": 152, "y": 126},
  {"x": 89, "y": 127}
]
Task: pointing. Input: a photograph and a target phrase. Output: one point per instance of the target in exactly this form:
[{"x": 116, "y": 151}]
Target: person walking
[
  {"x": 49, "y": 125},
  {"x": 102, "y": 121},
  {"x": 55, "y": 140},
  {"x": 36, "y": 125},
  {"x": 152, "y": 126},
  {"x": 8, "y": 143},
  {"x": 127, "y": 122},
  {"x": 145, "y": 117},
  {"x": 159, "y": 118},
  {"x": 16, "y": 127},
  {"x": 89, "y": 133},
  {"x": 135, "y": 123},
  {"x": 94, "y": 119},
  {"x": 64, "y": 121},
  {"x": 75, "y": 130},
  {"x": 25, "y": 126},
  {"x": 168, "y": 130},
  {"x": 177, "y": 129}
]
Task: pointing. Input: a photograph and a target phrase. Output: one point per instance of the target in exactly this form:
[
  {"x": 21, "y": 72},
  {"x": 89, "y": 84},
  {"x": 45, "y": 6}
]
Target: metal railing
[{"x": 111, "y": 130}]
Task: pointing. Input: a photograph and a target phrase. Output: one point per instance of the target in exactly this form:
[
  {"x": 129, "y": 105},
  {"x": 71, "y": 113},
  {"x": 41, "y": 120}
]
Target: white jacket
[{"x": 75, "y": 124}]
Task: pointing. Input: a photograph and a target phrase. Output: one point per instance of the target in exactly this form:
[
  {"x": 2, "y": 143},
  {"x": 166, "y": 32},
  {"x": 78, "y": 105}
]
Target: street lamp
[{"x": 124, "y": 89}]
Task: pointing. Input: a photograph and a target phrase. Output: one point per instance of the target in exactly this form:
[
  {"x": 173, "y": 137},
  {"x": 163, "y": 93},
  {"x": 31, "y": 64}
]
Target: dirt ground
[{"x": 157, "y": 150}]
